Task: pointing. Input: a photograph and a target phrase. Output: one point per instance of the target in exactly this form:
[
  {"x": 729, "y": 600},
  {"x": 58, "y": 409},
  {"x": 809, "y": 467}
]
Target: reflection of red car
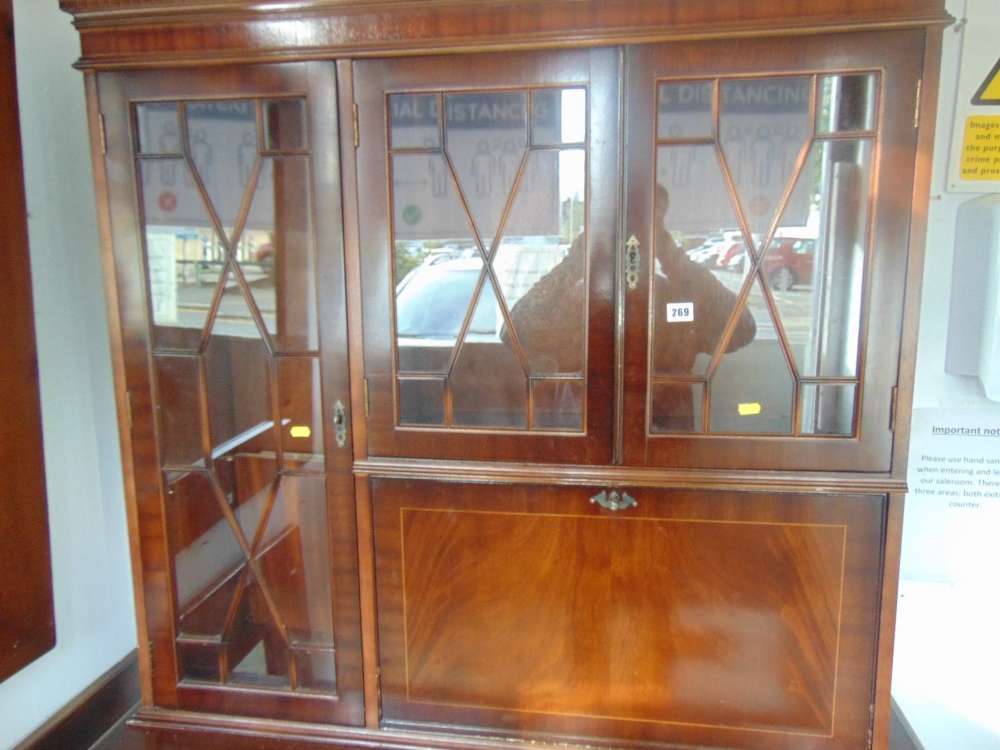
[
  {"x": 789, "y": 261},
  {"x": 728, "y": 252}
]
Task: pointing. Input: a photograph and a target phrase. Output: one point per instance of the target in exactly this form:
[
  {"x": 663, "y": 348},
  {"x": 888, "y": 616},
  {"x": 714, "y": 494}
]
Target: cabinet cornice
[{"x": 141, "y": 33}]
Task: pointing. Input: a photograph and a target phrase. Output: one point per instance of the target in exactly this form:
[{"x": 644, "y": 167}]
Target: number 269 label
[{"x": 680, "y": 312}]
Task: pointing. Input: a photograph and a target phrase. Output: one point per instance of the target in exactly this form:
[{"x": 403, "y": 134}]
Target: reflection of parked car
[
  {"x": 728, "y": 251},
  {"x": 432, "y": 301},
  {"x": 788, "y": 262}
]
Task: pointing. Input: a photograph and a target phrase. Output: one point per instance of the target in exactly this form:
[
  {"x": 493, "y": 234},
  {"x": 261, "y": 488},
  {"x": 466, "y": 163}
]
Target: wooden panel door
[
  {"x": 768, "y": 187},
  {"x": 225, "y": 216},
  {"x": 488, "y": 221},
  {"x": 712, "y": 618}
]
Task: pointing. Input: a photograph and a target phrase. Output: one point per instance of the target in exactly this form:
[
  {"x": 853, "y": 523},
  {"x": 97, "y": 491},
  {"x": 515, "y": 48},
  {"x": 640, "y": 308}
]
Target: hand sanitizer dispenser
[{"x": 974, "y": 319}]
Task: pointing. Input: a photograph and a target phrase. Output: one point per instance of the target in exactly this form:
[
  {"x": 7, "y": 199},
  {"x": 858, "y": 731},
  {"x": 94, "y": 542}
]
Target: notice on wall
[
  {"x": 981, "y": 148},
  {"x": 952, "y": 520},
  {"x": 974, "y": 166}
]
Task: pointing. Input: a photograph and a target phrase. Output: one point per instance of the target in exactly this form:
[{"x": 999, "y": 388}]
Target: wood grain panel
[{"x": 716, "y": 617}]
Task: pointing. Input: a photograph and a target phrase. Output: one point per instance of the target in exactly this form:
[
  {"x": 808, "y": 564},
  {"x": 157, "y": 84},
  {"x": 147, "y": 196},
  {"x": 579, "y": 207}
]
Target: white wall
[
  {"x": 947, "y": 654},
  {"x": 95, "y": 624}
]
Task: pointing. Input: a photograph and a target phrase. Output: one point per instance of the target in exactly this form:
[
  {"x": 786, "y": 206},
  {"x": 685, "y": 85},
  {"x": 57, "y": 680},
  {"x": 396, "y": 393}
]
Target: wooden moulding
[{"x": 153, "y": 32}]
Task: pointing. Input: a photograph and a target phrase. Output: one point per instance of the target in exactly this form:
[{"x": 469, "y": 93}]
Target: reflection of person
[
  {"x": 548, "y": 320},
  {"x": 676, "y": 345}
]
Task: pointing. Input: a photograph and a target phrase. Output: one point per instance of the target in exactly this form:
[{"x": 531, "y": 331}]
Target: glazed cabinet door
[
  {"x": 768, "y": 190},
  {"x": 726, "y": 294},
  {"x": 489, "y": 199},
  {"x": 705, "y": 618},
  {"x": 225, "y": 210}
]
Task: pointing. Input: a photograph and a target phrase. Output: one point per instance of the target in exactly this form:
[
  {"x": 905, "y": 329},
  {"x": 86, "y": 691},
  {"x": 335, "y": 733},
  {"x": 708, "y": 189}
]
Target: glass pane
[
  {"x": 414, "y": 121},
  {"x": 301, "y": 410},
  {"x": 694, "y": 293},
  {"x": 238, "y": 374},
  {"x": 255, "y": 645},
  {"x": 488, "y": 382},
  {"x": 249, "y": 486},
  {"x": 558, "y": 404},
  {"x": 285, "y": 124},
  {"x": 486, "y": 136},
  {"x": 558, "y": 116},
  {"x": 276, "y": 252},
  {"x": 208, "y": 560},
  {"x": 222, "y": 145},
  {"x": 676, "y": 407},
  {"x": 684, "y": 110},
  {"x": 752, "y": 390},
  {"x": 421, "y": 402},
  {"x": 816, "y": 271},
  {"x": 184, "y": 255},
  {"x": 431, "y": 306},
  {"x": 763, "y": 127},
  {"x": 699, "y": 213},
  {"x": 158, "y": 129},
  {"x": 847, "y": 103},
  {"x": 295, "y": 561},
  {"x": 317, "y": 670},
  {"x": 543, "y": 277},
  {"x": 828, "y": 409},
  {"x": 178, "y": 391}
]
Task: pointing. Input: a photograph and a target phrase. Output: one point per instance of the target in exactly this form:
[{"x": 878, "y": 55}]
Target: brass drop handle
[{"x": 613, "y": 501}]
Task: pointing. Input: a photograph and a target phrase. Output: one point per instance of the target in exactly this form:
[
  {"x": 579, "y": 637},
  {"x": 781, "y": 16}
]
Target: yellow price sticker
[
  {"x": 300, "y": 431},
  {"x": 747, "y": 410}
]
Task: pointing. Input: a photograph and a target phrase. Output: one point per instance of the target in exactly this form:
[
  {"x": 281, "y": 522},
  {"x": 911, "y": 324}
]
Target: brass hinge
[
  {"x": 916, "y": 107},
  {"x": 357, "y": 136},
  {"x": 871, "y": 726},
  {"x": 892, "y": 408},
  {"x": 367, "y": 402},
  {"x": 104, "y": 135}
]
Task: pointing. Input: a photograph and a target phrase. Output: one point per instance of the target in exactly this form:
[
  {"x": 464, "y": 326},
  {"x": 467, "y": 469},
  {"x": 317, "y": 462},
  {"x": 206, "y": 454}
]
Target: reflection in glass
[
  {"x": 421, "y": 402},
  {"x": 828, "y": 409},
  {"x": 177, "y": 389},
  {"x": 222, "y": 147},
  {"x": 230, "y": 258},
  {"x": 692, "y": 310},
  {"x": 558, "y": 404},
  {"x": 763, "y": 127},
  {"x": 184, "y": 255},
  {"x": 751, "y": 392},
  {"x": 276, "y": 253},
  {"x": 847, "y": 103},
  {"x": 489, "y": 257},
  {"x": 802, "y": 201},
  {"x": 558, "y": 116},
  {"x": 301, "y": 409},
  {"x": 158, "y": 129},
  {"x": 414, "y": 121},
  {"x": 676, "y": 407},
  {"x": 834, "y": 347},
  {"x": 285, "y": 124},
  {"x": 684, "y": 109}
]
